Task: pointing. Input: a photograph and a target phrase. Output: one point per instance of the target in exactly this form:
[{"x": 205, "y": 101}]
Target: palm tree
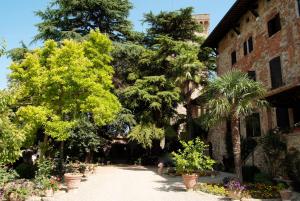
[{"x": 229, "y": 97}]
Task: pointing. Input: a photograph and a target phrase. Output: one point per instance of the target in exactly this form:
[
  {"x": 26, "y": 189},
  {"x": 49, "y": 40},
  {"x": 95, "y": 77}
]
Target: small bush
[
  {"x": 26, "y": 171},
  {"x": 215, "y": 189},
  {"x": 261, "y": 191},
  {"x": 263, "y": 178},
  {"x": 6, "y": 175}
]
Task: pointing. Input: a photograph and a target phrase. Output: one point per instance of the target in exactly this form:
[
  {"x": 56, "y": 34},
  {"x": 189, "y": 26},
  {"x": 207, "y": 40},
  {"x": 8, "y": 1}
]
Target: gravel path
[{"x": 112, "y": 183}]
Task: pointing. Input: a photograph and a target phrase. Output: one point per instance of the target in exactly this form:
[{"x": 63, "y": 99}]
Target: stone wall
[{"x": 285, "y": 43}]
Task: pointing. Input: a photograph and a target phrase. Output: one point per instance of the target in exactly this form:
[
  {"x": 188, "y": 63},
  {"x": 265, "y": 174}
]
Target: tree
[
  {"x": 2, "y": 47},
  {"x": 178, "y": 25},
  {"x": 84, "y": 139},
  {"x": 232, "y": 96},
  {"x": 153, "y": 100},
  {"x": 60, "y": 82},
  {"x": 64, "y": 19},
  {"x": 11, "y": 136}
]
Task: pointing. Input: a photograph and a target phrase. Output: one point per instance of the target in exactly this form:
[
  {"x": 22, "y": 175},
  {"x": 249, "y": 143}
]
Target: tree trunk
[{"x": 236, "y": 143}]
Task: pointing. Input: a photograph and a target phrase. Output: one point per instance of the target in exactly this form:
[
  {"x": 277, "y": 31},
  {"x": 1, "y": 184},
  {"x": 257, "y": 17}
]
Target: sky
[{"x": 17, "y": 19}]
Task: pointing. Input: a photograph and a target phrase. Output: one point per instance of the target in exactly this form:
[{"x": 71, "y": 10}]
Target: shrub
[
  {"x": 18, "y": 190},
  {"x": 192, "y": 157},
  {"x": 6, "y": 175},
  {"x": 26, "y": 171},
  {"x": 263, "y": 178},
  {"x": 261, "y": 191},
  {"x": 292, "y": 166},
  {"x": 44, "y": 168},
  {"x": 215, "y": 189},
  {"x": 249, "y": 173}
]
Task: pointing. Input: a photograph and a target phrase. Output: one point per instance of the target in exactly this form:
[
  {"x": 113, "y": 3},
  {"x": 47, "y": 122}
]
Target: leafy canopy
[
  {"x": 192, "y": 157},
  {"x": 58, "y": 82},
  {"x": 65, "y": 19},
  {"x": 233, "y": 94},
  {"x": 178, "y": 25},
  {"x": 11, "y": 136}
]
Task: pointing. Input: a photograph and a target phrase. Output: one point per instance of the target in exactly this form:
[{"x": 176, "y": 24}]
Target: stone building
[{"x": 261, "y": 38}]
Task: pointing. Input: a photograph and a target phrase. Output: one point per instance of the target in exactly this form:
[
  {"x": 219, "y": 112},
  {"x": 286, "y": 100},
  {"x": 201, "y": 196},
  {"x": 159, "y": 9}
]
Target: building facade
[{"x": 261, "y": 38}]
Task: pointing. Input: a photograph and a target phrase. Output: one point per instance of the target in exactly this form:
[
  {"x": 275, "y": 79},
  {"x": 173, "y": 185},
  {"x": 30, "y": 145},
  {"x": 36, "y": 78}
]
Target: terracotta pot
[
  {"x": 49, "y": 192},
  {"x": 72, "y": 180},
  {"x": 286, "y": 194},
  {"x": 190, "y": 180}
]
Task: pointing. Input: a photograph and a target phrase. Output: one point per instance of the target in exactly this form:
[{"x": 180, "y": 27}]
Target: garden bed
[{"x": 253, "y": 192}]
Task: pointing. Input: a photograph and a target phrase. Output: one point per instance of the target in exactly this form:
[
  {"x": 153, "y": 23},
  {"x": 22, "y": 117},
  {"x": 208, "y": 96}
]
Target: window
[
  {"x": 253, "y": 125},
  {"x": 274, "y": 25},
  {"x": 282, "y": 116},
  {"x": 248, "y": 46},
  {"x": 252, "y": 75},
  {"x": 276, "y": 75},
  {"x": 233, "y": 57}
]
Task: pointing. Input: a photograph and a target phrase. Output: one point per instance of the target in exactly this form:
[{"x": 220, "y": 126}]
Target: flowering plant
[
  {"x": 235, "y": 189},
  {"x": 45, "y": 183}
]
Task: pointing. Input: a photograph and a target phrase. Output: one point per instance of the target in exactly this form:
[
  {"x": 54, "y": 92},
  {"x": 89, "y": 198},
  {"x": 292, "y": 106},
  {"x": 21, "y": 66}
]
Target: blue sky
[{"x": 17, "y": 19}]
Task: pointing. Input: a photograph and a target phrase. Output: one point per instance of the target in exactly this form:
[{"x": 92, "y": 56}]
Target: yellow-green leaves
[{"x": 59, "y": 82}]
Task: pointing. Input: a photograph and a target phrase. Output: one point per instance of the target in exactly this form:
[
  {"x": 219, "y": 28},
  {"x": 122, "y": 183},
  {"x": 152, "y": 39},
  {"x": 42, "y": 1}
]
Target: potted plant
[
  {"x": 235, "y": 189},
  {"x": 47, "y": 185},
  {"x": 285, "y": 193},
  {"x": 191, "y": 159},
  {"x": 72, "y": 177}
]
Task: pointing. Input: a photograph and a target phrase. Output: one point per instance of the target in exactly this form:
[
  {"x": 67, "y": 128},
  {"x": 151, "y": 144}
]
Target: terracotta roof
[{"x": 230, "y": 20}]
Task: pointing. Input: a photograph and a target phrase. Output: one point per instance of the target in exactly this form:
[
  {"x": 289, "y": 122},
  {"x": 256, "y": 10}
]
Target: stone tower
[{"x": 204, "y": 20}]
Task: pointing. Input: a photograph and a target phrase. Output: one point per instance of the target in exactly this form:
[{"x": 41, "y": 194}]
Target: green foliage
[
  {"x": 6, "y": 175},
  {"x": 44, "y": 168},
  {"x": 17, "y": 54},
  {"x": 292, "y": 166},
  {"x": 18, "y": 190},
  {"x": 154, "y": 97},
  {"x": 26, "y": 171},
  {"x": 2, "y": 47},
  {"x": 261, "y": 191},
  {"x": 232, "y": 94},
  {"x": 145, "y": 134},
  {"x": 179, "y": 25},
  {"x": 11, "y": 136},
  {"x": 84, "y": 137},
  {"x": 59, "y": 82},
  {"x": 274, "y": 151},
  {"x": 192, "y": 157},
  {"x": 215, "y": 189},
  {"x": 73, "y": 19}
]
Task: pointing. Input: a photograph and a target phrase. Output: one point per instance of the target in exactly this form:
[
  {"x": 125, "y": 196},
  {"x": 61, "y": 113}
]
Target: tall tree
[
  {"x": 64, "y": 19},
  {"x": 178, "y": 25},
  {"x": 232, "y": 96},
  {"x": 11, "y": 136},
  {"x": 59, "y": 82}
]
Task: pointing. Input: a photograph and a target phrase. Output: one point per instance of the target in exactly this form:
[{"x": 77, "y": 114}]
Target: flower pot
[
  {"x": 286, "y": 195},
  {"x": 72, "y": 180},
  {"x": 190, "y": 180},
  {"x": 49, "y": 192}
]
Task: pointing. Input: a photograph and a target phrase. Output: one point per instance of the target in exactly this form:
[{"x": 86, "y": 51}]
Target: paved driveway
[{"x": 131, "y": 184}]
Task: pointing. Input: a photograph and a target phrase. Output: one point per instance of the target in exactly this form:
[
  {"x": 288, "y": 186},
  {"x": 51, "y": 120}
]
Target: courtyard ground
[{"x": 114, "y": 183}]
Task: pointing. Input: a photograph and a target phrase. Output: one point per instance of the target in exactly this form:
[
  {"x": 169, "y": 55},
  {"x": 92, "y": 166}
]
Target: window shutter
[{"x": 276, "y": 75}]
